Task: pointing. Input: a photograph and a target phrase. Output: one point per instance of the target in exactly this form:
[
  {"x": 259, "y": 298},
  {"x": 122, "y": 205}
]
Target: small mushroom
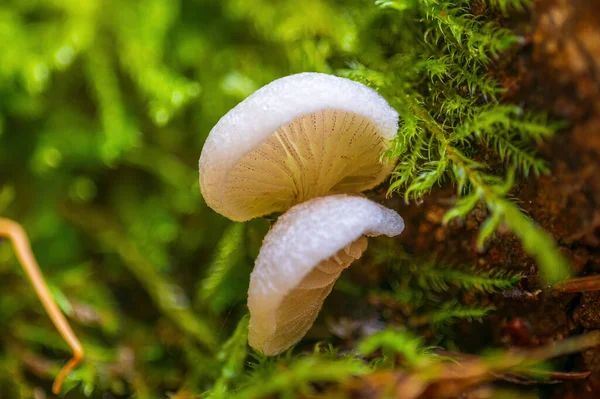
[
  {"x": 301, "y": 258},
  {"x": 299, "y": 137}
]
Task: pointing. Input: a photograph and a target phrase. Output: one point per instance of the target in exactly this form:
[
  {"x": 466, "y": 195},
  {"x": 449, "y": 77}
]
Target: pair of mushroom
[{"x": 301, "y": 145}]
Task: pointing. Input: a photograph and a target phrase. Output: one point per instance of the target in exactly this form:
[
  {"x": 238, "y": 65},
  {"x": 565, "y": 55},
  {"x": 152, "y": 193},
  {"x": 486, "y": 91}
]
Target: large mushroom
[
  {"x": 299, "y": 137},
  {"x": 301, "y": 258}
]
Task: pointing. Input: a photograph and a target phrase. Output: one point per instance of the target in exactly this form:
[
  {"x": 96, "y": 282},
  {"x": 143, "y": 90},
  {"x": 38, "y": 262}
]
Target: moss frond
[
  {"x": 507, "y": 5},
  {"x": 439, "y": 278},
  {"x": 298, "y": 376},
  {"x": 223, "y": 285},
  {"x": 451, "y": 312},
  {"x": 425, "y": 293},
  {"x": 394, "y": 343},
  {"x": 232, "y": 356},
  {"x": 119, "y": 133}
]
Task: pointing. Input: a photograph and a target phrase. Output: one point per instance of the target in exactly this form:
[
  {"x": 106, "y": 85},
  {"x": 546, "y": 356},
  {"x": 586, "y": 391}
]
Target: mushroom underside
[
  {"x": 317, "y": 154},
  {"x": 273, "y": 332}
]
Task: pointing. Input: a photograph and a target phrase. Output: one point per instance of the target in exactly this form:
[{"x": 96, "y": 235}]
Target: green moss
[{"x": 437, "y": 80}]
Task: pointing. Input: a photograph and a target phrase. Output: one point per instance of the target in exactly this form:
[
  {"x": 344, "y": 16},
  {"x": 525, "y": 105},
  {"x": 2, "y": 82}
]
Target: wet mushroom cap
[
  {"x": 301, "y": 258},
  {"x": 299, "y": 137}
]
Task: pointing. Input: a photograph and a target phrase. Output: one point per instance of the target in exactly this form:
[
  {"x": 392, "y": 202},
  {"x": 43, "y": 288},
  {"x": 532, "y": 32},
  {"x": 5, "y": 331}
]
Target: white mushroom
[
  {"x": 299, "y": 137},
  {"x": 301, "y": 258}
]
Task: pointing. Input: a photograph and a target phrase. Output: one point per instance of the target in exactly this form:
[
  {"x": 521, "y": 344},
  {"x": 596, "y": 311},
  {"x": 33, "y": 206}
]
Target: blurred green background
[{"x": 104, "y": 107}]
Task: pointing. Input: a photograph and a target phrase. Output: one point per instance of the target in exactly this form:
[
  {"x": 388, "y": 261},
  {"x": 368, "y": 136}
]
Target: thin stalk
[{"x": 20, "y": 243}]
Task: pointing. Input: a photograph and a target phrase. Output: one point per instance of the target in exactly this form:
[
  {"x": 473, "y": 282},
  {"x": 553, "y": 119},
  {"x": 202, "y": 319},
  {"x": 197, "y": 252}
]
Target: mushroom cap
[
  {"x": 299, "y": 137},
  {"x": 301, "y": 258}
]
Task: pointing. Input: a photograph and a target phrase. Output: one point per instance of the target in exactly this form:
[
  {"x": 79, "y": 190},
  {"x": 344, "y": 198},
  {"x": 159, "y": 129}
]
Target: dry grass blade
[{"x": 18, "y": 238}]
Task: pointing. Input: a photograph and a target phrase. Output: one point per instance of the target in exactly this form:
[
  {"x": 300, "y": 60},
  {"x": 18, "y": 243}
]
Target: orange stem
[{"x": 17, "y": 236}]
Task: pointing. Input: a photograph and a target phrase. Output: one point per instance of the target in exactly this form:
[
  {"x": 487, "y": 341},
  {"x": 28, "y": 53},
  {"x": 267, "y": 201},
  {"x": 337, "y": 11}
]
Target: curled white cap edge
[{"x": 308, "y": 234}]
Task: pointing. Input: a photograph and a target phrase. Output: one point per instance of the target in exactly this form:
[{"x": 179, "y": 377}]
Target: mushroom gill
[
  {"x": 300, "y": 260},
  {"x": 299, "y": 137},
  {"x": 325, "y": 152},
  {"x": 300, "y": 307}
]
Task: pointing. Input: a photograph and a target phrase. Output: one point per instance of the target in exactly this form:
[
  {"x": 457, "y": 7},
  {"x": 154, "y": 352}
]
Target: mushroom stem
[{"x": 20, "y": 243}]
